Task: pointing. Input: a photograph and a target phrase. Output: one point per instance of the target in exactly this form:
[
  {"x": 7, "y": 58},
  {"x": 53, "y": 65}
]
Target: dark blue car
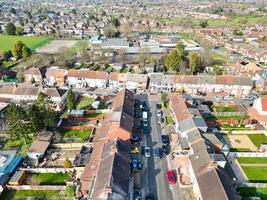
[{"x": 165, "y": 139}]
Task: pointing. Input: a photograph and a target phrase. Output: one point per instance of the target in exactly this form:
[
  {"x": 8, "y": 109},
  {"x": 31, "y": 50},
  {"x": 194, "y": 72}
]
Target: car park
[
  {"x": 158, "y": 152},
  {"x": 165, "y": 139},
  {"x": 147, "y": 152},
  {"x": 171, "y": 177},
  {"x": 135, "y": 150}
]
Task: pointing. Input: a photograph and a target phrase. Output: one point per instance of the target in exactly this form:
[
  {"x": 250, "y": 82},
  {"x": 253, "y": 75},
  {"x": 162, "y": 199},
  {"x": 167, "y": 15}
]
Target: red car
[{"x": 171, "y": 177}]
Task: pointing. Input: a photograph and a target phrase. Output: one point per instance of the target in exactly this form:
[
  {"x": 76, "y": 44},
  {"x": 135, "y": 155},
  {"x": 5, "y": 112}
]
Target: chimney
[
  {"x": 108, "y": 189},
  {"x": 114, "y": 149}
]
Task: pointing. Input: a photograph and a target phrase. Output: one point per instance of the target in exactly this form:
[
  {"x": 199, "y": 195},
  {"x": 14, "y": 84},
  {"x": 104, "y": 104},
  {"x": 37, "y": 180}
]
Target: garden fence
[
  {"x": 36, "y": 187},
  {"x": 248, "y": 154}
]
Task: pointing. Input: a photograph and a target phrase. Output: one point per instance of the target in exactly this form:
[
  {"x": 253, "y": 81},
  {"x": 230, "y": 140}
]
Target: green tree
[
  {"x": 70, "y": 100},
  {"x": 19, "y": 30},
  {"x": 67, "y": 163},
  {"x": 47, "y": 109},
  {"x": 180, "y": 48},
  {"x": 194, "y": 62},
  {"x": 18, "y": 124},
  {"x": 237, "y": 32},
  {"x": 17, "y": 49},
  {"x": 10, "y": 29},
  {"x": 26, "y": 52},
  {"x": 70, "y": 191},
  {"x": 115, "y": 22},
  {"x": 204, "y": 24},
  {"x": 73, "y": 11},
  {"x": 165, "y": 99},
  {"x": 7, "y": 55},
  {"x": 35, "y": 117},
  {"x": 173, "y": 60},
  {"x": 217, "y": 70}
]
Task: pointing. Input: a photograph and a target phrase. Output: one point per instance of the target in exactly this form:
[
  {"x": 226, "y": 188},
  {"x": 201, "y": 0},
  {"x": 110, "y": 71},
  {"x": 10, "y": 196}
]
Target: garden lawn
[
  {"x": 24, "y": 194},
  {"x": 234, "y": 127},
  {"x": 256, "y": 174},
  {"x": 50, "y": 178},
  {"x": 168, "y": 119},
  {"x": 253, "y": 192},
  {"x": 81, "y": 134},
  {"x": 220, "y": 57},
  {"x": 124, "y": 70},
  {"x": 240, "y": 150},
  {"x": 252, "y": 160},
  {"x": 258, "y": 139},
  {"x": 93, "y": 115},
  {"x": 85, "y": 103},
  {"x": 239, "y": 118},
  {"x": 224, "y": 108},
  {"x": 33, "y": 42}
]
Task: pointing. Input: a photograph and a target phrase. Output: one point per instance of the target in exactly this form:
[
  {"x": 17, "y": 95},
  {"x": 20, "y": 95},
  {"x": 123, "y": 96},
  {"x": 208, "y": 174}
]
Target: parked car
[
  {"x": 166, "y": 149},
  {"x": 158, "y": 105},
  {"x": 140, "y": 164},
  {"x": 145, "y": 124},
  {"x": 165, "y": 139},
  {"x": 136, "y": 139},
  {"x": 158, "y": 152},
  {"x": 158, "y": 112},
  {"x": 250, "y": 98},
  {"x": 159, "y": 121},
  {"x": 135, "y": 150},
  {"x": 134, "y": 165},
  {"x": 171, "y": 177},
  {"x": 146, "y": 130},
  {"x": 147, "y": 152},
  {"x": 228, "y": 97},
  {"x": 218, "y": 98}
]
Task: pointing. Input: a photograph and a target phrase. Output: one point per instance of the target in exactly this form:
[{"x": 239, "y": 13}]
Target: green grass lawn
[
  {"x": 124, "y": 70},
  {"x": 169, "y": 119},
  {"x": 224, "y": 108},
  {"x": 49, "y": 178},
  {"x": 33, "y": 42},
  {"x": 83, "y": 135},
  {"x": 239, "y": 118},
  {"x": 85, "y": 103},
  {"x": 92, "y": 115},
  {"x": 256, "y": 174},
  {"x": 220, "y": 57},
  {"x": 9, "y": 64},
  {"x": 258, "y": 139},
  {"x": 252, "y": 160},
  {"x": 239, "y": 149},
  {"x": 24, "y": 194},
  {"x": 253, "y": 192},
  {"x": 234, "y": 127}
]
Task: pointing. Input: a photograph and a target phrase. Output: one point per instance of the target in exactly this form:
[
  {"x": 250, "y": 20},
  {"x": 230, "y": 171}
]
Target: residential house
[
  {"x": 115, "y": 43},
  {"x": 33, "y": 74},
  {"x": 86, "y": 78},
  {"x": 55, "y": 76},
  {"x": 136, "y": 81},
  {"x": 117, "y": 80}
]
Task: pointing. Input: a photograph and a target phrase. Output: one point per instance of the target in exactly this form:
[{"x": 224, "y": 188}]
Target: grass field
[
  {"x": 224, "y": 108},
  {"x": 256, "y": 174},
  {"x": 253, "y": 192},
  {"x": 33, "y": 42},
  {"x": 251, "y": 160},
  {"x": 24, "y": 194},
  {"x": 219, "y": 57},
  {"x": 48, "y": 178},
  {"x": 85, "y": 103},
  {"x": 83, "y": 135},
  {"x": 239, "y": 118},
  {"x": 240, "y": 150},
  {"x": 258, "y": 139}
]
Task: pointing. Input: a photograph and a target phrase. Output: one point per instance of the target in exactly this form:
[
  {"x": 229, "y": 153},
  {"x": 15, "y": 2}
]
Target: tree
[
  {"x": 70, "y": 100},
  {"x": 204, "y": 24},
  {"x": 19, "y": 30},
  {"x": 20, "y": 76},
  {"x": 26, "y": 52},
  {"x": 110, "y": 31},
  {"x": 7, "y": 55},
  {"x": 126, "y": 29},
  {"x": 67, "y": 163},
  {"x": 165, "y": 99},
  {"x": 237, "y": 32},
  {"x": 73, "y": 11},
  {"x": 35, "y": 117},
  {"x": 194, "y": 62},
  {"x": 17, "y": 49},
  {"x": 10, "y": 29},
  {"x": 173, "y": 60},
  {"x": 217, "y": 70},
  {"x": 70, "y": 191},
  {"x": 115, "y": 22},
  {"x": 13, "y": 11},
  {"x": 82, "y": 48},
  {"x": 181, "y": 49}
]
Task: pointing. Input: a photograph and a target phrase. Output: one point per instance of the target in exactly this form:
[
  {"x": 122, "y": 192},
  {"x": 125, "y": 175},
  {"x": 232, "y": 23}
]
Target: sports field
[{"x": 33, "y": 42}]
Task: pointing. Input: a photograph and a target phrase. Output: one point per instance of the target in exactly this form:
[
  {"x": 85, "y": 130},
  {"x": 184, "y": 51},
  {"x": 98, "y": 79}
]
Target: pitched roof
[
  {"x": 87, "y": 74},
  {"x": 39, "y": 146},
  {"x": 56, "y": 72},
  {"x": 179, "y": 107},
  {"x": 264, "y": 103},
  {"x": 33, "y": 71}
]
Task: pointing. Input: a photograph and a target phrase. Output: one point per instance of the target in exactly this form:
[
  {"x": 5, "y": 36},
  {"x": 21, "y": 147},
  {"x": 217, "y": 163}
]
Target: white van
[{"x": 144, "y": 116}]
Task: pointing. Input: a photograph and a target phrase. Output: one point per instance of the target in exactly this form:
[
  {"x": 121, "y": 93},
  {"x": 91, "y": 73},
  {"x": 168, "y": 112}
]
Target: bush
[{"x": 70, "y": 191}]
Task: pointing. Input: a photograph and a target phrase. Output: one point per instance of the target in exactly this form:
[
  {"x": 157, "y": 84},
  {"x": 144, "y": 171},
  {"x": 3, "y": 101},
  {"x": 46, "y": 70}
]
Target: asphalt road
[{"x": 154, "y": 180}]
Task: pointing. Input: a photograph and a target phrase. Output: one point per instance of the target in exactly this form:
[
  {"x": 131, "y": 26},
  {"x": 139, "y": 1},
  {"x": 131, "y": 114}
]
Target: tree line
[{"x": 23, "y": 122}]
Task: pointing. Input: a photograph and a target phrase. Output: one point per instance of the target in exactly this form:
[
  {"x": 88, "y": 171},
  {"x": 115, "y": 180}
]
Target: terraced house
[
  {"x": 107, "y": 175},
  {"x": 236, "y": 85}
]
